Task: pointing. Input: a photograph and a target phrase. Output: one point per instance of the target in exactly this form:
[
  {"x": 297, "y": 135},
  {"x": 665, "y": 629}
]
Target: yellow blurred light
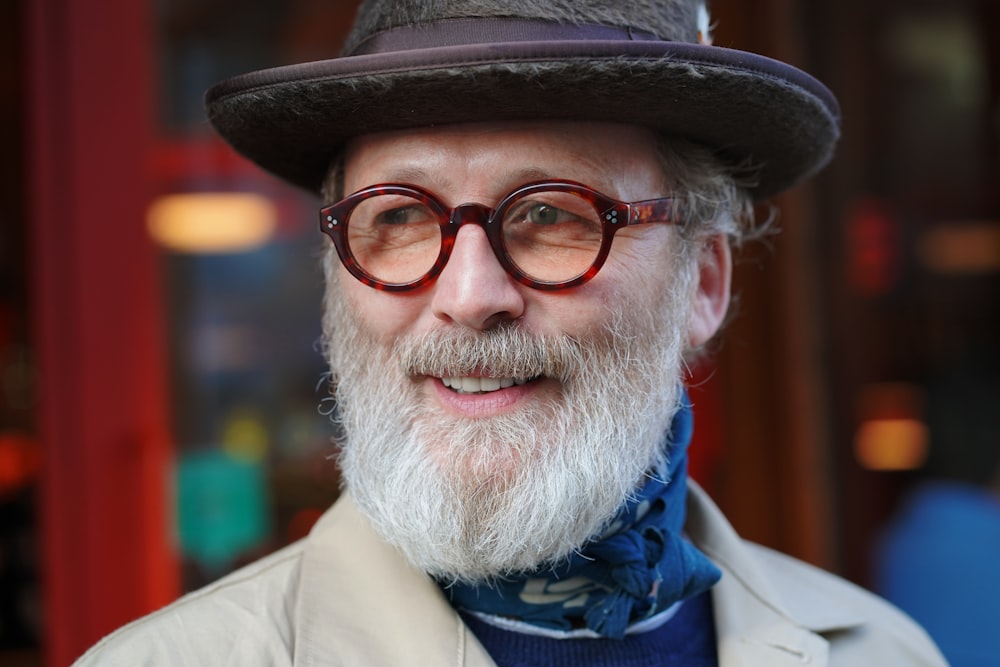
[
  {"x": 892, "y": 444},
  {"x": 245, "y": 438},
  {"x": 212, "y": 222}
]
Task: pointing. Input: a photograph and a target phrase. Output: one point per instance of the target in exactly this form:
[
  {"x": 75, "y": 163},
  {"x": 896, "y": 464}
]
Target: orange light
[
  {"x": 892, "y": 444},
  {"x": 212, "y": 222},
  {"x": 965, "y": 248},
  {"x": 892, "y": 434}
]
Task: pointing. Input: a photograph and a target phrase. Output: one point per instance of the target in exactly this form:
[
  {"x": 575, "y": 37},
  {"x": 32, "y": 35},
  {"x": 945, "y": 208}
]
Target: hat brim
[{"x": 753, "y": 111}]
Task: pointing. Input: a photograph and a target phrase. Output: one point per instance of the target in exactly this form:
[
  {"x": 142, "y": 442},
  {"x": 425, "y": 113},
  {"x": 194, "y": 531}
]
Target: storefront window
[{"x": 252, "y": 442}]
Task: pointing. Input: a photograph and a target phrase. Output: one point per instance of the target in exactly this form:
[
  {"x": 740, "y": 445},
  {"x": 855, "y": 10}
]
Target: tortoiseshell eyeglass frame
[{"x": 614, "y": 214}]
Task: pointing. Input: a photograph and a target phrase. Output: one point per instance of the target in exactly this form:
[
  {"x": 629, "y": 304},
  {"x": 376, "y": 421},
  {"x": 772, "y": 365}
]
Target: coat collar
[
  {"x": 760, "y": 618},
  {"x": 361, "y": 603}
]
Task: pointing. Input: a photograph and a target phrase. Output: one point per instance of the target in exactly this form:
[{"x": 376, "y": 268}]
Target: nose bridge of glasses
[
  {"x": 474, "y": 214},
  {"x": 471, "y": 213}
]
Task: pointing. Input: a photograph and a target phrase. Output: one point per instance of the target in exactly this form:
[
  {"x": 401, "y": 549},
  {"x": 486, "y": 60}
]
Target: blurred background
[{"x": 162, "y": 410}]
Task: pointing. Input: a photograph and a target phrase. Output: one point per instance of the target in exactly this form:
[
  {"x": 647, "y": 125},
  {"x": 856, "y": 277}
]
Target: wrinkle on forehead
[{"x": 484, "y": 161}]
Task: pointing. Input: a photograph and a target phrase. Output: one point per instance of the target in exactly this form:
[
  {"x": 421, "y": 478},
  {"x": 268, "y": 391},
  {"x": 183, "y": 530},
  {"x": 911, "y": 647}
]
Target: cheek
[
  {"x": 585, "y": 311},
  {"x": 639, "y": 267},
  {"x": 383, "y": 314}
]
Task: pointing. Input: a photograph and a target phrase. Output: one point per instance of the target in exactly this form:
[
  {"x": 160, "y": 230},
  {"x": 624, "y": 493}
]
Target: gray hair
[{"x": 711, "y": 196}]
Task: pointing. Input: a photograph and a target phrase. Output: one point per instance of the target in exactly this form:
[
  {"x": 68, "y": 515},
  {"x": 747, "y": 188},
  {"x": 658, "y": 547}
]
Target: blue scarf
[{"x": 638, "y": 568}]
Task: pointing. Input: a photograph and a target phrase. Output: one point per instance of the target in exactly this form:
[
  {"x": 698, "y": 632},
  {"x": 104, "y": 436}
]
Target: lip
[{"x": 485, "y": 404}]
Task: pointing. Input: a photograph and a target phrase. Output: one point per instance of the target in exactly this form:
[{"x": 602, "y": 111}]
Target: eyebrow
[
  {"x": 508, "y": 180},
  {"x": 407, "y": 174},
  {"x": 522, "y": 176}
]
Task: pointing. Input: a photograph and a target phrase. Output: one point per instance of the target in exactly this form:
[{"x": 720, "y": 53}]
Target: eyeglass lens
[{"x": 551, "y": 236}]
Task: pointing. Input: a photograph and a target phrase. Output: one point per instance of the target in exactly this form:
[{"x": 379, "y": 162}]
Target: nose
[{"x": 473, "y": 289}]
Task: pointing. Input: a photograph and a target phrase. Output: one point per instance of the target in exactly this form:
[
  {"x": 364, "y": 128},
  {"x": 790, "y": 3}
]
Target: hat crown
[
  {"x": 669, "y": 20},
  {"x": 649, "y": 63}
]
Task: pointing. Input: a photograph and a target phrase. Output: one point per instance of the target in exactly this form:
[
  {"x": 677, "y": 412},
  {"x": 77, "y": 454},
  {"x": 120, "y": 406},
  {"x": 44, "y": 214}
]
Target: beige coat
[{"x": 344, "y": 597}]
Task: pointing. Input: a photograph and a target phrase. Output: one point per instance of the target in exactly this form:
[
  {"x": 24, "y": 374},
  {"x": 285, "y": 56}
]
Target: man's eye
[
  {"x": 543, "y": 214},
  {"x": 401, "y": 216}
]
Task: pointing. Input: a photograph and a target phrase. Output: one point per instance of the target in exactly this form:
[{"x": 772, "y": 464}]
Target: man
[{"x": 531, "y": 209}]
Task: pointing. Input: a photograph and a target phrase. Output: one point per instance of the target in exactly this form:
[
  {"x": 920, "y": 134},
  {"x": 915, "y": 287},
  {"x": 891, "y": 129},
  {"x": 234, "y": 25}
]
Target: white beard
[{"x": 473, "y": 499}]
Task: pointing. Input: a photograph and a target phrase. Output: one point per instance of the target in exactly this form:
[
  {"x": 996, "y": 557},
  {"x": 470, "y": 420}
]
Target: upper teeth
[{"x": 481, "y": 384}]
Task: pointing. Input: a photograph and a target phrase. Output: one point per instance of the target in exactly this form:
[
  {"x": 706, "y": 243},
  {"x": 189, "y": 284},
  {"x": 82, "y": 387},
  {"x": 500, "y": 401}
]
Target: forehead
[{"x": 603, "y": 155}]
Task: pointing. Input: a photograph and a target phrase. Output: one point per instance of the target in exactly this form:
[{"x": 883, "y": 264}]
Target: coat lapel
[
  {"x": 362, "y": 604},
  {"x": 754, "y": 626}
]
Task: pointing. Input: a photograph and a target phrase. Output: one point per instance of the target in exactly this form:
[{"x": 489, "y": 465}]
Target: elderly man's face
[{"x": 491, "y": 426}]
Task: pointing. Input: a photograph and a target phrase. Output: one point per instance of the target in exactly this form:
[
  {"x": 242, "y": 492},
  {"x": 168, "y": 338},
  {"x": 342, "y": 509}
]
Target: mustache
[{"x": 507, "y": 350}]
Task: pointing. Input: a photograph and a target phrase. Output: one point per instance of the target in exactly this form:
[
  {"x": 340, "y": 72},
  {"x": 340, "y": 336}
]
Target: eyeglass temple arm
[{"x": 653, "y": 210}]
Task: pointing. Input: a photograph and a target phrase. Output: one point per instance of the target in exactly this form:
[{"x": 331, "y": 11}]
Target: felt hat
[{"x": 420, "y": 63}]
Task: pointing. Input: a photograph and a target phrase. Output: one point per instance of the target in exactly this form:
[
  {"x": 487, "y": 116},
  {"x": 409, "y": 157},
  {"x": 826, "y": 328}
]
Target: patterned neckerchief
[{"x": 640, "y": 566}]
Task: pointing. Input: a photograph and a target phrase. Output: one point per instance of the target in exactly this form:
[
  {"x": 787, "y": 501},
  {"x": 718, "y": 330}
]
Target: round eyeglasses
[{"x": 548, "y": 235}]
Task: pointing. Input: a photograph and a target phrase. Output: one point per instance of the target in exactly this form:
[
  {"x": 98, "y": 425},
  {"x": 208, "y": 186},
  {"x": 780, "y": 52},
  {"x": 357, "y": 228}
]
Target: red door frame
[{"x": 98, "y": 330}]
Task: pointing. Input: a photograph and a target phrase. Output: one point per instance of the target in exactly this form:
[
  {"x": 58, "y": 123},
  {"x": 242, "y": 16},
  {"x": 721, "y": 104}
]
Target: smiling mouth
[{"x": 483, "y": 385}]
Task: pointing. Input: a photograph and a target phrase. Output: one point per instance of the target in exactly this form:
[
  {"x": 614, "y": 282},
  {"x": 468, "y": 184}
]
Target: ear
[{"x": 711, "y": 294}]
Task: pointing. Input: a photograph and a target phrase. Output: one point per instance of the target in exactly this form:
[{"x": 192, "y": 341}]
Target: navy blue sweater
[{"x": 686, "y": 640}]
